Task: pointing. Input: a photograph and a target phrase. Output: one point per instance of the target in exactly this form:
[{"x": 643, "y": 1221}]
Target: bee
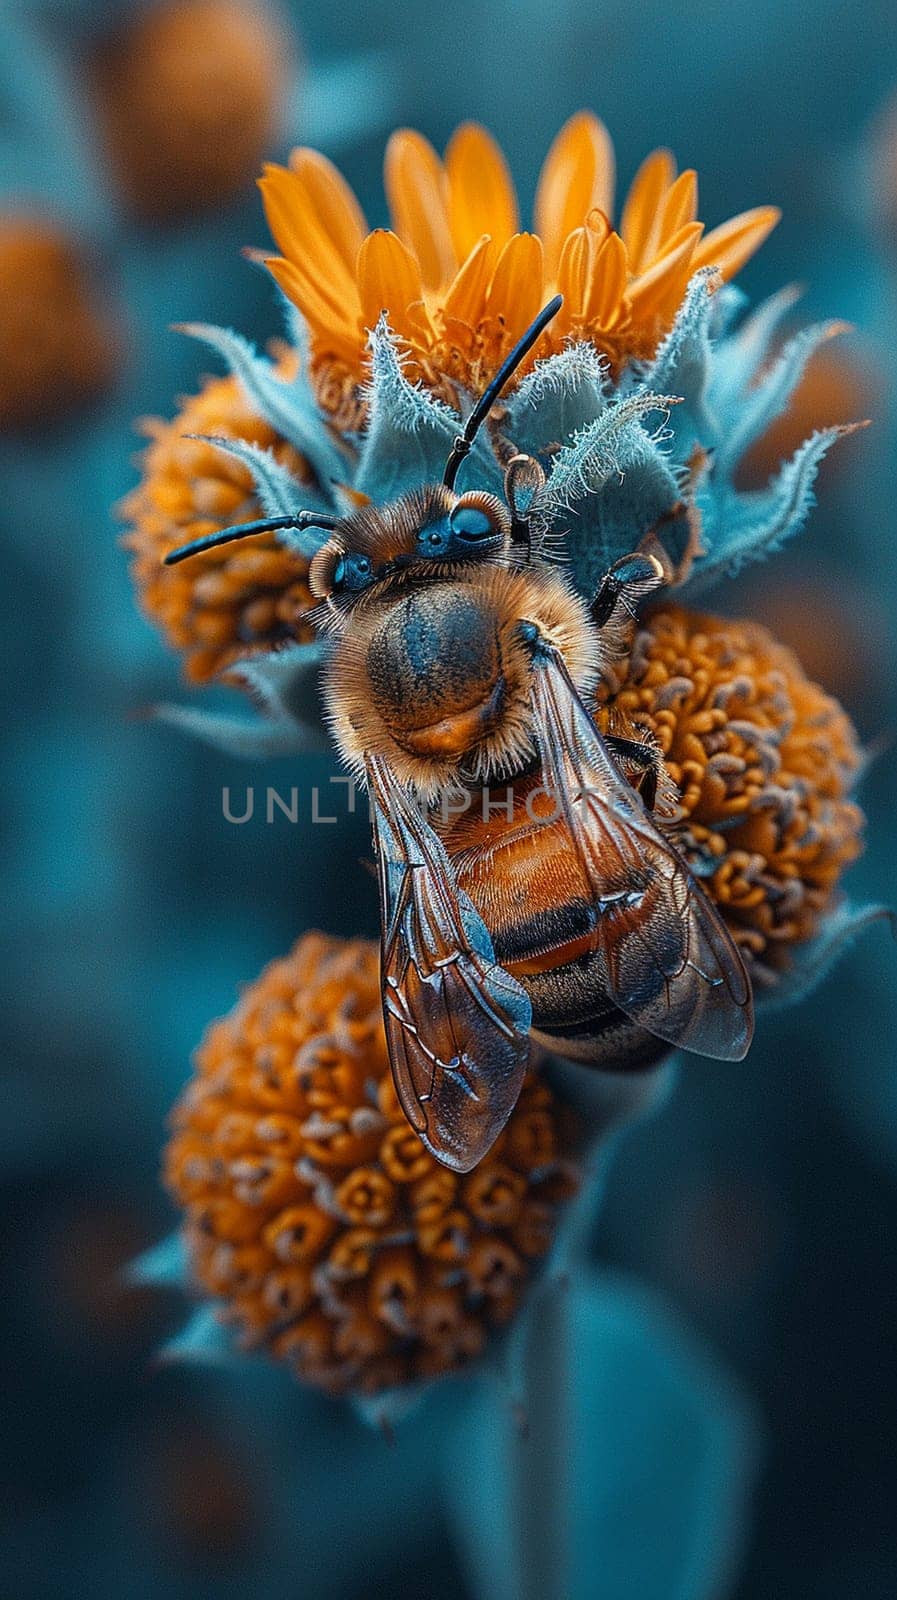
[{"x": 461, "y": 656}]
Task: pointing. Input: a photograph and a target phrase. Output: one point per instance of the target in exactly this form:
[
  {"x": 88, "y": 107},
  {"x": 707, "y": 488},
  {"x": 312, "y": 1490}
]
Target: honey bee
[{"x": 461, "y": 656}]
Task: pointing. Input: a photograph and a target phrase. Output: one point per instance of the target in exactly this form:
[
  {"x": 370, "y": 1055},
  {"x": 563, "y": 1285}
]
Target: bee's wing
[
  {"x": 669, "y": 962},
  {"x": 456, "y": 1023}
]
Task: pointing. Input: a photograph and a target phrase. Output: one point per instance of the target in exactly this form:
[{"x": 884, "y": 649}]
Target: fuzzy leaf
[
  {"x": 627, "y": 1472},
  {"x": 279, "y": 492},
  {"x": 584, "y": 466},
  {"x": 682, "y": 364},
  {"x": 739, "y": 358},
  {"x": 608, "y": 488},
  {"x": 204, "y": 1342},
  {"x": 737, "y": 528},
  {"x": 285, "y": 685},
  {"x": 769, "y": 397},
  {"x": 727, "y": 306},
  {"x": 388, "y": 1407},
  {"x": 813, "y": 961},
  {"x": 409, "y": 433},
  {"x": 620, "y": 516},
  {"x": 558, "y": 399},
  {"x": 163, "y": 1266},
  {"x": 237, "y": 736},
  {"x": 295, "y": 325},
  {"x": 288, "y": 407}
]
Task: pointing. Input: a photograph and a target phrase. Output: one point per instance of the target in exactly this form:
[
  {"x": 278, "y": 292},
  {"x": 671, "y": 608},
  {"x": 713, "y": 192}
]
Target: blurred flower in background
[
  {"x": 58, "y": 337},
  {"x": 190, "y": 96}
]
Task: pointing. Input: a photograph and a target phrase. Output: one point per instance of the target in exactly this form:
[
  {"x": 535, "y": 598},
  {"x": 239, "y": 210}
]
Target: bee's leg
[
  {"x": 641, "y": 761},
  {"x": 675, "y": 538},
  {"x": 623, "y": 587},
  {"x": 523, "y": 480}
]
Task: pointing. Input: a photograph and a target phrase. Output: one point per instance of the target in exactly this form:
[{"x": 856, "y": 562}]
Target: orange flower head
[
  {"x": 315, "y": 1216},
  {"x": 762, "y": 761},
  {"x": 459, "y": 280},
  {"x": 189, "y": 93},
  {"x": 235, "y": 601},
  {"x": 56, "y": 347}
]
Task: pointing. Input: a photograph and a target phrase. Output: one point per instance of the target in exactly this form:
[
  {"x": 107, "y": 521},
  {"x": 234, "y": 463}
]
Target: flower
[
  {"x": 653, "y": 445},
  {"x": 239, "y": 599},
  {"x": 189, "y": 94},
  {"x": 762, "y": 761},
  {"x": 459, "y": 280},
  {"x": 315, "y": 1216},
  {"x": 56, "y": 344}
]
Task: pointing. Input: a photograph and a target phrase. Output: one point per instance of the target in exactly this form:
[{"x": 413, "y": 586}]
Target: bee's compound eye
[
  {"x": 471, "y": 522},
  {"x": 352, "y": 572}
]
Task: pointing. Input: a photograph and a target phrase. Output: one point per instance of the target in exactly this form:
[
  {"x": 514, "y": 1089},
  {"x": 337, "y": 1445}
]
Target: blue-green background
[{"x": 759, "y": 1204}]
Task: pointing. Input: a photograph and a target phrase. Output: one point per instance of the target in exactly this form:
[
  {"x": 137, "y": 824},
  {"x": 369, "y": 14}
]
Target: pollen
[
  {"x": 459, "y": 278},
  {"x": 314, "y": 1215},
  {"x": 189, "y": 95},
  {"x": 240, "y": 599},
  {"x": 57, "y": 348},
  {"x": 762, "y": 761}
]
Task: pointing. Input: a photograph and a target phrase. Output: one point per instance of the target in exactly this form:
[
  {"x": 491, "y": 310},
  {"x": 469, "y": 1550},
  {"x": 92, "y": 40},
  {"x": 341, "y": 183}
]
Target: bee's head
[{"x": 428, "y": 533}]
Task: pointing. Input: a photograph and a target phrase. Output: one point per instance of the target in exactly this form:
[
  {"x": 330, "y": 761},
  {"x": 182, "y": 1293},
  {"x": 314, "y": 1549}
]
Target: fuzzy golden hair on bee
[
  {"x": 385, "y": 532},
  {"x": 437, "y": 679}
]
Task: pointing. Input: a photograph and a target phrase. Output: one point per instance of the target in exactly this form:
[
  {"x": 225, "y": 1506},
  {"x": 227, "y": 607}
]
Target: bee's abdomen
[
  {"x": 434, "y": 667},
  {"x": 525, "y": 883}
]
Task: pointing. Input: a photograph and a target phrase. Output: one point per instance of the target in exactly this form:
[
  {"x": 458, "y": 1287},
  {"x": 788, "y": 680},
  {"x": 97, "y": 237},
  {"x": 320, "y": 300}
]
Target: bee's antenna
[
  {"x": 481, "y": 410},
  {"x": 246, "y": 530}
]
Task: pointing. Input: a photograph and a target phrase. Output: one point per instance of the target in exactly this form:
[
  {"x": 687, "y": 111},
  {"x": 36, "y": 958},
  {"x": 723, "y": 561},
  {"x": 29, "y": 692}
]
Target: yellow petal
[
  {"x": 515, "y": 293},
  {"x": 282, "y": 194},
  {"x": 577, "y": 175},
  {"x": 417, "y": 191},
  {"x": 333, "y": 202},
  {"x": 294, "y": 222},
  {"x": 481, "y": 196},
  {"x": 731, "y": 245},
  {"x": 466, "y": 299},
  {"x": 593, "y": 276},
  {"x": 389, "y": 279},
  {"x": 598, "y": 223},
  {"x": 640, "y": 223},
  {"x": 610, "y": 278},
  {"x": 646, "y": 288},
  {"x": 574, "y": 275},
  {"x": 330, "y": 327},
  {"x": 681, "y": 205}
]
